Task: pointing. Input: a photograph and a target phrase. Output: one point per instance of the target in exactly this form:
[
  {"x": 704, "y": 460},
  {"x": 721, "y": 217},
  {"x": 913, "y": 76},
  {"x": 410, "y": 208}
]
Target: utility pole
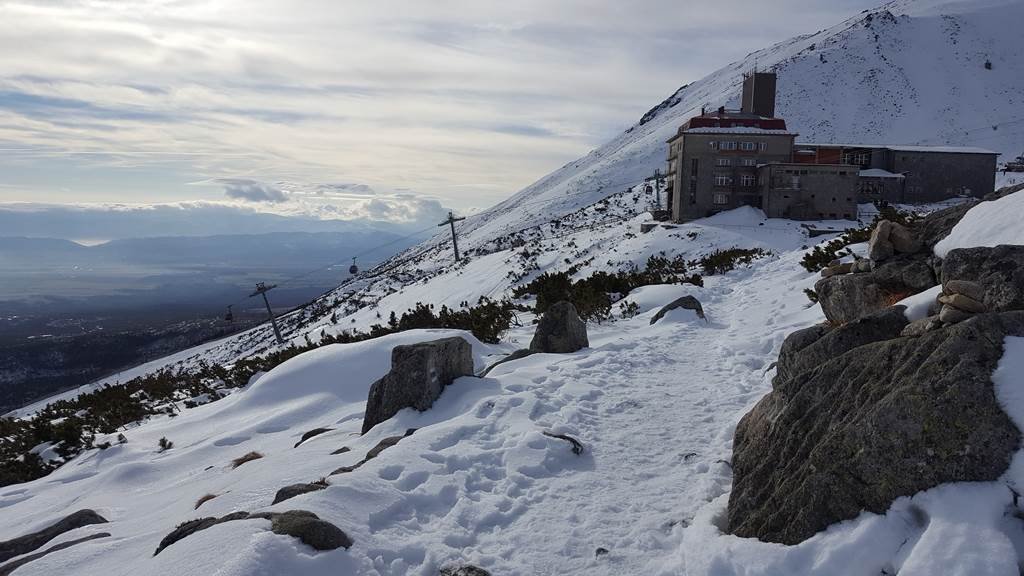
[
  {"x": 451, "y": 222},
  {"x": 262, "y": 288}
]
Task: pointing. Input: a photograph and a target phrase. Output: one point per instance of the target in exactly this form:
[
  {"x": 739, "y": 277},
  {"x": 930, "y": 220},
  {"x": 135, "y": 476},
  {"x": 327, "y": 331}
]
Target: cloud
[
  {"x": 442, "y": 95},
  {"x": 251, "y": 191}
]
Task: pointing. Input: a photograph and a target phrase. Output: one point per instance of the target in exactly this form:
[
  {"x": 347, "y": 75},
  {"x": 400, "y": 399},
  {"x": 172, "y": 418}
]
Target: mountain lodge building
[{"x": 725, "y": 159}]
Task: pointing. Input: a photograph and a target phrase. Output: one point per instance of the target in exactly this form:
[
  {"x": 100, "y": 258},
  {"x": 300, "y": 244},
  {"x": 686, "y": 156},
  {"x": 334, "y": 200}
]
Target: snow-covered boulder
[
  {"x": 686, "y": 303},
  {"x": 419, "y": 373},
  {"x": 878, "y": 422}
]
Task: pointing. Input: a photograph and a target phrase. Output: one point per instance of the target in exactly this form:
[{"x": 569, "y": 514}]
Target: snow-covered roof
[
  {"x": 738, "y": 130},
  {"x": 879, "y": 173},
  {"x": 901, "y": 148}
]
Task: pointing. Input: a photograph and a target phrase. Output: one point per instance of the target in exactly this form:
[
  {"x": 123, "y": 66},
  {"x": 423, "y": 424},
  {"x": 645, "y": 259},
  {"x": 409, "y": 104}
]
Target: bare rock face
[
  {"x": 289, "y": 492},
  {"x": 999, "y": 271},
  {"x": 879, "y": 246},
  {"x": 560, "y": 331},
  {"x": 853, "y": 430},
  {"x": 686, "y": 302},
  {"x": 419, "y": 373},
  {"x": 306, "y": 526},
  {"x": 847, "y": 297},
  {"x": 29, "y": 542}
]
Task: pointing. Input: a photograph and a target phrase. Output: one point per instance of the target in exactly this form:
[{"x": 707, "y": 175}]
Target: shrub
[
  {"x": 204, "y": 500},
  {"x": 811, "y": 295},
  {"x": 245, "y": 458},
  {"x": 165, "y": 444},
  {"x": 722, "y": 261}
]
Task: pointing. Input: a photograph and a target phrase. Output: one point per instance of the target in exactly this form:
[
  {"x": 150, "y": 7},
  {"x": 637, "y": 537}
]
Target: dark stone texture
[
  {"x": 803, "y": 355},
  {"x": 310, "y": 434},
  {"x": 884, "y": 420},
  {"x": 311, "y": 530},
  {"x": 848, "y": 297},
  {"x": 686, "y": 302},
  {"x": 999, "y": 271},
  {"x": 296, "y": 490},
  {"x": 6, "y": 569},
  {"x": 938, "y": 225},
  {"x": 464, "y": 570},
  {"x": 29, "y": 542},
  {"x": 374, "y": 452},
  {"x": 518, "y": 354},
  {"x": 560, "y": 331},
  {"x": 304, "y": 525},
  {"x": 419, "y": 373}
]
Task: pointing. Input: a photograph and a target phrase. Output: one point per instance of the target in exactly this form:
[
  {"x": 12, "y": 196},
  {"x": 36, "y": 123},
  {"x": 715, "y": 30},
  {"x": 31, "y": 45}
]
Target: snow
[
  {"x": 919, "y": 304},
  {"x": 987, "y": 224},
  {"x": 879, "y": 173}
]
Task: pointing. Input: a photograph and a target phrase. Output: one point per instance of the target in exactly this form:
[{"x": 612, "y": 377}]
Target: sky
[{"x": 387, "y": 110}]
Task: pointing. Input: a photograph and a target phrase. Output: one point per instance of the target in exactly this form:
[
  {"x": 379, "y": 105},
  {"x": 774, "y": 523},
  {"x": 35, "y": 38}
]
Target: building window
[
  {"x": 723, "y": 180},
  {"x": 714, "y": 145},
  {"x": 694, "y": 164},
  {"x": 720, "y": 198},
  {"x": 750, "y": 162},
  {"x": 723, "y": 162},
  {"x": 748, "y": 146},
  {"x": 727, "y": 145},
  {"x": 762, "y": 146},
  {"x": 747, "y": 180}
]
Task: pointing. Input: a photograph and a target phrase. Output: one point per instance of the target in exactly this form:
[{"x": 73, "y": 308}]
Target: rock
[
  {"x": 884, "y": 420},
  {"x": 918, "y": 327},
  {"x": 836, "y": 270},
  {"x": 793, "y": 344},
  {"x": 848, "y": 297},
  {"x": 879, "y": 246},
  {"x": 950, "y": 315},
  {"x": 560, "y": 331},
  {"x": 577, "y": 446},
  {"x": 311, "y": 530},
  {"x": 861, "y": 265},
  {"x": 600, "y": 552},
  {"x": 938, "y": 225},
  {"x": 376, "y": 450},
  {"x": 833, "y": 343},
  {"x": 686, "y": 302},
  {"x": 419, "y": 373},
  {"x": 184, "y": 530},
  {"x": 999, "y": 271},
  {"x": 903, "y": 240},
  {"x": 311, "y": 433},
  {"x": 6, "y": 569},
  {"x": 296, "y": 490},
  {"x": 29, "y": 542},
  {"x": 521, "y": 353},
  {"x": 961, "y": 302},
  {"x": 341, "y": 450},
  {"x": 306, "y": 526},
  {"x": 464, "y": 570},
  {"x": 972, "y": 290}
]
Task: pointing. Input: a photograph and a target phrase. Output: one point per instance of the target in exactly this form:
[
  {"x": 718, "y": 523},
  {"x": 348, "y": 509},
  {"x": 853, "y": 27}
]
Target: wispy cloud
[
  {"x": 133, "y": 100},
  {"x": 251, "y": 191}
]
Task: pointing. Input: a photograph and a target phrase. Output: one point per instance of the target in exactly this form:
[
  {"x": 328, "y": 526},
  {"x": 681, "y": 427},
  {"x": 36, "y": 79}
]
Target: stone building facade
[{"x": 809, "y": 191}]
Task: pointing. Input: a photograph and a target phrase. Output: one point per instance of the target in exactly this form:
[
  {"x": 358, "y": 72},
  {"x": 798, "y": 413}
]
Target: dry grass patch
[
  {"x": 204, "y": 500},
  {"x": 245, "y": 458}
]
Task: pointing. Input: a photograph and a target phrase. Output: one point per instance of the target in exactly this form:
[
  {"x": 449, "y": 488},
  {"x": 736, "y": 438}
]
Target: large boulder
[
  {"x": 29, "y": 542},
  {"x": 419, "y": 373},
  {"x": 999, "y": 271},
  {"x": 880, "y": 421},
  {"x": 686, "y": 302},
  {"x": 819, "y": 344},
  {"x": 293, "y": 490},
  {"x": 304, "y": 525},
  {"x": 848, "y": 297},
  {"x": 560, "y": 330},
  {"x": 879, "y": 246}
]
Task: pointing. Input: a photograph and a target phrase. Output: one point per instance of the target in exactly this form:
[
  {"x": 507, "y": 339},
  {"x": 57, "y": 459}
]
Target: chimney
[
  {"x": 759, "y": 94},
  {"x": 721, "y": 110}
]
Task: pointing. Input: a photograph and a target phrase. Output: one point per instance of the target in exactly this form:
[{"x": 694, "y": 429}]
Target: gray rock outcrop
[
  {"x": 464, "y": 570},
  {"x": 845, "y": 298},
  {"x": 517, "y": 355},
  {"x": 852, "y": 432},
  {"x": 306, "y": 526},
  {"x": 419, "y": 373},
  {"x": 686, "y": 302},
  {"x": 10, "y": 567},
  {"x": 29, "y": 542},
  {"x": 999, "y": 272},
  {"x": 560, "y": 330},
  {"x": 294, "y": 490}
]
